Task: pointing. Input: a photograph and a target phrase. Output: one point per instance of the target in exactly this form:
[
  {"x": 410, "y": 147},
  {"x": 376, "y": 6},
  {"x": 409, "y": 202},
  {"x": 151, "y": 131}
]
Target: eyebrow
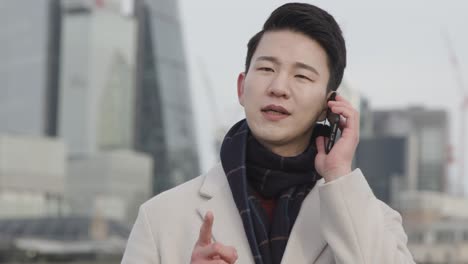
[{"x": 296, "y": 64}]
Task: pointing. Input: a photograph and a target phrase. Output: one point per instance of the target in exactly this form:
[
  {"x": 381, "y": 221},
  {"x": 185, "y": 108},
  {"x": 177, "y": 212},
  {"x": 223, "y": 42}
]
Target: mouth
[
  {"x": 275, "y": 109},
  {"x": 275, "y": 112}
]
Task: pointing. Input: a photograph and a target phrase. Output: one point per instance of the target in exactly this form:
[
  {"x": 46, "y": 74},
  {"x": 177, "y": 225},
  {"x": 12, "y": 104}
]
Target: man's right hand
[{"x": 207, "y": 252}]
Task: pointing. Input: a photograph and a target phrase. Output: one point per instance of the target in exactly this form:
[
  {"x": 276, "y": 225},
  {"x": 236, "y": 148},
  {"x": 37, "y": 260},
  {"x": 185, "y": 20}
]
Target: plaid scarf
[{"x": 251, "y": 168}]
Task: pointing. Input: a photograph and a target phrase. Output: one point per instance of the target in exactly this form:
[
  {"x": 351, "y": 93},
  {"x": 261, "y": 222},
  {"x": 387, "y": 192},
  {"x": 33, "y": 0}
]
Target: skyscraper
[
  {"x": 97, "y": 111},
  {"x": 122, "y": 81},
  {"x": 97, "y": 87},
  {"x": 29, "y": 52},
  {"x": 164, "y": 119}
]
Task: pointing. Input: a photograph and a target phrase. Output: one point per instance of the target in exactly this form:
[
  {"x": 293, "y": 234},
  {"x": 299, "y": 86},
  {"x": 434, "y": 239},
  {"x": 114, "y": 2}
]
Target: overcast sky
[{"x": 397, "y": 55}]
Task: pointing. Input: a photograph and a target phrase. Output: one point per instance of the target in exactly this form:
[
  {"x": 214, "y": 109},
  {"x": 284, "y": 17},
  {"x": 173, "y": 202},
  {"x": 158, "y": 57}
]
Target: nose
[{"x": 279, "y": 86}]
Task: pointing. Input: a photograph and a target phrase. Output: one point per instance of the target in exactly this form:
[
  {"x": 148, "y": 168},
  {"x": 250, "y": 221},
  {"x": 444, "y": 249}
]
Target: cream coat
[{"x": 339, "y": 222}]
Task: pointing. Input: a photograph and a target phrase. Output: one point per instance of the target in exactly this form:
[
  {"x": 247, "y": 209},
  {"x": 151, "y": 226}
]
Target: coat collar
[
  {"x": 305, "y": 243},
  {"x": 227, "y": 226}
]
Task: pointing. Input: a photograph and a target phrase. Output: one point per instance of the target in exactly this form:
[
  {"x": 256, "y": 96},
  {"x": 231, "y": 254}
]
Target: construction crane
[{"x": 455, "y": 65}]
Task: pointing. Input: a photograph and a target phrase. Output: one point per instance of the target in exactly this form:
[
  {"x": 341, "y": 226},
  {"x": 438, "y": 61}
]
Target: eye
[
  {"x": 303, "y": 77},
  {"x": 266, "y": 69}
]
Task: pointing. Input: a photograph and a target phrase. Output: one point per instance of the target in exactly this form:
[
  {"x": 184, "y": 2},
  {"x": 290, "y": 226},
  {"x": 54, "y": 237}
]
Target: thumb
[{"x": 205, "y": 231}]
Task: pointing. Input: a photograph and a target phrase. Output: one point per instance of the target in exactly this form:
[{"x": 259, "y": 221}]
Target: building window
[
  {"x": 416, "y": 237},
  {"x": 465, "y": 235},
  {"x": 445, "y": 236}
]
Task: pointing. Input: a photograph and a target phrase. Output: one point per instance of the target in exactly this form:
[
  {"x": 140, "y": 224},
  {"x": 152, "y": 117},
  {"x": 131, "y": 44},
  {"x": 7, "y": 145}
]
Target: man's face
[{"x": 284, "y": 91}]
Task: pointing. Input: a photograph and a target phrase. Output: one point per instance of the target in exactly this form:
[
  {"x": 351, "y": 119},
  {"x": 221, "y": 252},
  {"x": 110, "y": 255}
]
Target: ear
[
  {"x": 240, "y": 87},
  {"x": 323, "y": 114}
]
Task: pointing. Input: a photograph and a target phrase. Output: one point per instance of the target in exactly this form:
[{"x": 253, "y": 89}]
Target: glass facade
[
  {"x": 116, "y": 121},
  {"x": 75, "y": 94},
  {"x": 164, "y": 114},
  {"x": 432, "y": 153},
  {"x": 427, "y": 128},
  {"x": 382, "y": 159},
  {"x": 97, "y": 79},
  {"x": 29, "y": 65}
]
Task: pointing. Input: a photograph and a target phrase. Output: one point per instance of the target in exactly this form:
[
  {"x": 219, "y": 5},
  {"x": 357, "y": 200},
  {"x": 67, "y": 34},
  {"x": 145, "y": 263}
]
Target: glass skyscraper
[
  {"x": 29, "y": 52},
  {"x": 164, "y": 116},
  {"x": 55, "y": 79},
  {"x": 97, "y": 87}
]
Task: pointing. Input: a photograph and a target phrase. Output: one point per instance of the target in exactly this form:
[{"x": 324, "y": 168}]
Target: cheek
[
  {"x": 310, "y": 105},
  {"x": 250, "y": 100},
  {"x": 254, "y": 88}
]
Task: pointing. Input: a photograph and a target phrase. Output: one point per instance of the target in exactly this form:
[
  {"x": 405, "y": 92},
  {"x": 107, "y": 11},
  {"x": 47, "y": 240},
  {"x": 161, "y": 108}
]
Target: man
[{"x": 277, "y": 195}]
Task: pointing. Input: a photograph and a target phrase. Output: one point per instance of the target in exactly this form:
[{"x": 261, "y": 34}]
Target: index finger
[
  {"x": 205, "y": 230},
  {"x": 351, "y": 125}
]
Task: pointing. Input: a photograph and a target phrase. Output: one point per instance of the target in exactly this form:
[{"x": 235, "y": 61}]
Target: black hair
[{"x": 316, "y": 24}]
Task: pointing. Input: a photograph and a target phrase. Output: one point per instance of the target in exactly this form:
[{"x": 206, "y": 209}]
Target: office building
[
  {"x": 29, "y": 52},
  {"x": 164, "y": 117}
]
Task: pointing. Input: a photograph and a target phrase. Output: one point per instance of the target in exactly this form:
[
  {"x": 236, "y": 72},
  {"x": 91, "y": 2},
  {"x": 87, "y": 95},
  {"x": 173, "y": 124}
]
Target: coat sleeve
[
  {"x": 358, "y": 227},
  {"x": 141, "y": 246}
]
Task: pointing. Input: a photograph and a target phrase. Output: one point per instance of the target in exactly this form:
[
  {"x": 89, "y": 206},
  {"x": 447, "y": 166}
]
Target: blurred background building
[
  {"x": 132, "y": 82},
  {"x": 426, "y": 130},
  {"x": 97, "y": 87},
  {"x": 95, "y": 118},
  {"x": 62, "y": 240},
  {"x": 112, "y": 184},
  {"x": 164, "y": 117},
  {"x": 404, "y": 154},
  {"x": 32, "y": 184},
  {"x": 29, "y": 66},
  {"x": 405, "y": 150}
]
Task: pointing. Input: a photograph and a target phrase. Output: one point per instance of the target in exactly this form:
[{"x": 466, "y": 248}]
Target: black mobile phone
[{"x": 334, "y": 121}]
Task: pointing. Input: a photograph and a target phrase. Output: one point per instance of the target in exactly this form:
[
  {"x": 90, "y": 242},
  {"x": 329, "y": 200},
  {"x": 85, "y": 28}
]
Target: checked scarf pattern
[{"x": 252, "y": 169}]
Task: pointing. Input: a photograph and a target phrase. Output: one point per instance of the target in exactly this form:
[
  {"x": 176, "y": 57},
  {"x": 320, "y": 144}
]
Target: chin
[{"x": 272, "y": 135}]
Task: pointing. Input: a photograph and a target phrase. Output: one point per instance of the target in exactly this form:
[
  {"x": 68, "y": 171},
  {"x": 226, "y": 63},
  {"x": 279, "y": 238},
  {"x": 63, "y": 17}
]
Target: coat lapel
[
  {"x": 227, "y": 227},
  {"x": 306, "y": 242}
]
